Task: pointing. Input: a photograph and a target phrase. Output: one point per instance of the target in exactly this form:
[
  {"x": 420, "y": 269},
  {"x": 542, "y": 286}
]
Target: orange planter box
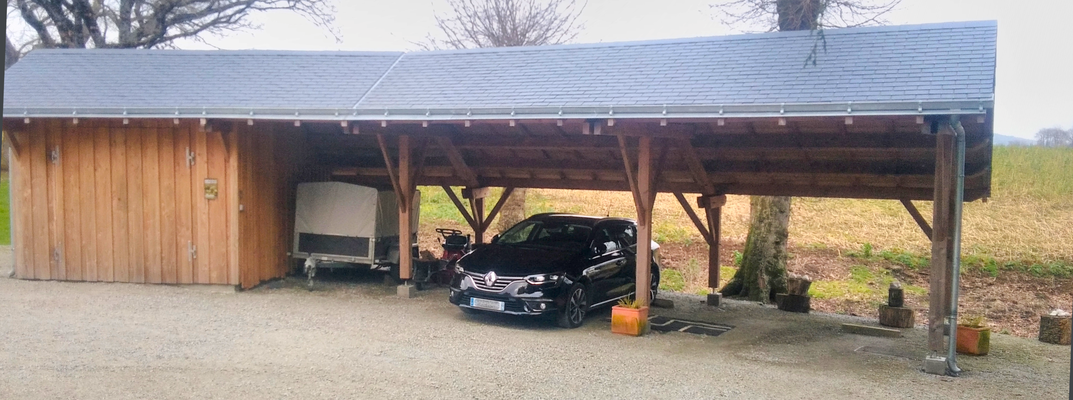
[
  {"x": 629, "y": 321},
  {"x": 974, "y": 341}
]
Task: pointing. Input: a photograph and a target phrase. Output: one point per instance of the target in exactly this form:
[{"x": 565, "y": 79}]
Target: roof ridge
[
  {"x": 378, "y": 80},
  {"x": 170, "y": 52}
]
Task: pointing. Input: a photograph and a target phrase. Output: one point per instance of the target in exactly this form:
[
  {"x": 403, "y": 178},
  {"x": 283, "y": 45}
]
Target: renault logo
[{"x": 490, "y": 278}]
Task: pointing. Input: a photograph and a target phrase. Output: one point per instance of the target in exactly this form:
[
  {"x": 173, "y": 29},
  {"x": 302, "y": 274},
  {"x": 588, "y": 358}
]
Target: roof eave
[{"x": 895, "y": 108}]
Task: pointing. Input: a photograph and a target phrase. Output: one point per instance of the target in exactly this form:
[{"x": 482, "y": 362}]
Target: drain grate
[{"x": 664, "y": 324}]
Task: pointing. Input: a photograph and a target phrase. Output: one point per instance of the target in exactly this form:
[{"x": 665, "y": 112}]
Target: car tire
[
  {"x": 572, "y": 313},
  {"x": 654, "y": 282}
]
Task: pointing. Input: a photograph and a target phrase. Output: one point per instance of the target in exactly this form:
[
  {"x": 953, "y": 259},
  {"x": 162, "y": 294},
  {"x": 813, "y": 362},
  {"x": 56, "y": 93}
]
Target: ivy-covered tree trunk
[{"x": 763, "y": 263}]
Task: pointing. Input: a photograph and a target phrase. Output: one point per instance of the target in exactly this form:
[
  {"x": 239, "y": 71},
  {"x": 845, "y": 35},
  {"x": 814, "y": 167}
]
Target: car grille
[{"x": 501, "y": 282}]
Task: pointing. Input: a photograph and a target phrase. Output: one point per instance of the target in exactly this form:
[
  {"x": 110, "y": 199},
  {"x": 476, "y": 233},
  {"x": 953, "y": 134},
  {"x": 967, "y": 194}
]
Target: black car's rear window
[{"x": 546, "y": 234}]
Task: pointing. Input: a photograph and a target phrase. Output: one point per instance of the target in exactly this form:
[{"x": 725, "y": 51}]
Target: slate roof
[{"x": 932, "y": 68}]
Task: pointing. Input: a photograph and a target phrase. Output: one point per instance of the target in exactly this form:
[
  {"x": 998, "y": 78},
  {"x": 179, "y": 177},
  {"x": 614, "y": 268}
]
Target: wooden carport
[{"x": 878, "y": 117}]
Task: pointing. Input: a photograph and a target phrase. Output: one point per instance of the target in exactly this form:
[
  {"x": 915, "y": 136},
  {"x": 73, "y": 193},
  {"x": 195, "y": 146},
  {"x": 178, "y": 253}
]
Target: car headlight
[
  {"x": 541, "y": 279},
  {"x": 458, "y": 269}
]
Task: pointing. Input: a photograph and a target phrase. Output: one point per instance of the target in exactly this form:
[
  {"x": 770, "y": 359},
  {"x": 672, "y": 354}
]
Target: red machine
[{"x": 455, "y": 245}]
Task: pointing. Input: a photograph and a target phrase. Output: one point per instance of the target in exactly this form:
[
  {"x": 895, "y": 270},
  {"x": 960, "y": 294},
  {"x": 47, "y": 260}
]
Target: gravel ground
[{"x": 352, "y": 338}]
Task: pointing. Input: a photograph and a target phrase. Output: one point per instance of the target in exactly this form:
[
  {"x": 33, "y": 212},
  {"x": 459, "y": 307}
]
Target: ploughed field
[{"x": 1017, "y": 261}]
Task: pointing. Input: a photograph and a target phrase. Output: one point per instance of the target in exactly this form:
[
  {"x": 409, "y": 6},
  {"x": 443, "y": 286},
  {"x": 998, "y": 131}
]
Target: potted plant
[
  {"x": 629, "y": 317},
  {"x": 973, "y": 336}
]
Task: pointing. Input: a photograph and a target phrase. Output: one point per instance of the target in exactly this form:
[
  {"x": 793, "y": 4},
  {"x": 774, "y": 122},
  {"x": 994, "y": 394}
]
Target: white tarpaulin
[{"x": 339, "y": 209}]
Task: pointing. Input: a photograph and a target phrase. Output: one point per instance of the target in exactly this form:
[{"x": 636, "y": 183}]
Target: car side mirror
[{"x": 495, "y": 239}]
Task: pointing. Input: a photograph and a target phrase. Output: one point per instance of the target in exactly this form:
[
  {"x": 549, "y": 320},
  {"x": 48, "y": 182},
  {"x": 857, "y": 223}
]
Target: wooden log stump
[
  {"x": 898, "y": 317},
  {"x": 1055, "y": 329},
  {"x": 793, "y": 302},
  {"x": 798, "y": 285}
]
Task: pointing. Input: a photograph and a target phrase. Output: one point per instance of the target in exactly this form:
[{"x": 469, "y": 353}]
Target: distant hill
[{"x": 1003, "y": 140}]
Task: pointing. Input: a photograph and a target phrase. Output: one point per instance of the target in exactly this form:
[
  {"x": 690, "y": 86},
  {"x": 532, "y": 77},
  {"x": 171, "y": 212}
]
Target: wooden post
[
  {"x": 476, "y": 206},
  {"x": 715, "y": 217},
  {"x": 942, "y": 241},
  {"x": 405, "y": 202},
  {"x": 646, "y": 192}
]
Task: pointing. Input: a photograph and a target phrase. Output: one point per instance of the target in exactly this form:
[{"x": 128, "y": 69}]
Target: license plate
[{"x": 486, "y": 304}]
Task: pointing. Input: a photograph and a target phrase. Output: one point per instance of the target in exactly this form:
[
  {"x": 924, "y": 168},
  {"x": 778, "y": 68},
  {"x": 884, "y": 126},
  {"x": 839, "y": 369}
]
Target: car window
[
  {"x": 606, "y": 238},
  {"x": 547, "y": 234},
  {"x": 625, "y": 235}
]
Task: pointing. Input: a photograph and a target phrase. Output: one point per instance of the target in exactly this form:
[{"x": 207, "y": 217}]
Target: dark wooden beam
[
  {"x": 389, "y": 165},
  {"x": 923, "y": 223},
  {"x": 12, "y": 138},
  {"x": 941, "y": 243},
  {"x": 461, "y": 208},
  {"x": 458, "y": 162},
  {"x": 700, "y": 175},
  {"x": 715, "y": 225},
  {"x": 707, "y": 235},
  {"x": 630, "y": 178},
  {"x": 507, "y": 191}
]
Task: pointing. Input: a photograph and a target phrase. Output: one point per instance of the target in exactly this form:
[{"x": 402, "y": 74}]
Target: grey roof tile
[{"x": 934, "y": 62}]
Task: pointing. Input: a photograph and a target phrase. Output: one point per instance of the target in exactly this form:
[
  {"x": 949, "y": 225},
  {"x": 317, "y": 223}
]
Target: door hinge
[
  {"x": 191, "y": 157},
  {"x": 191, "y": 250},
  {"x": 54, "y": 155}
]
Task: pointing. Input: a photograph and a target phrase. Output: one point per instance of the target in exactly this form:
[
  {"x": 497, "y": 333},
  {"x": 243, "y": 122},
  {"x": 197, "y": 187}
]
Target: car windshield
[{"x": 546, "y": 234}]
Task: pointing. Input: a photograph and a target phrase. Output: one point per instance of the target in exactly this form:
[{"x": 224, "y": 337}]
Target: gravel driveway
[{"x": 354, "y": 339}]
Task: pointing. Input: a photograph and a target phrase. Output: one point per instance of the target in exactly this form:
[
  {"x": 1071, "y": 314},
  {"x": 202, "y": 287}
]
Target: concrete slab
[{"x": 871, "y": 330}]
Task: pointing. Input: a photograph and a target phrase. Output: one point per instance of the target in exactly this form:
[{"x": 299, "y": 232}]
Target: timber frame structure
[{"x": 127, "y": 180}]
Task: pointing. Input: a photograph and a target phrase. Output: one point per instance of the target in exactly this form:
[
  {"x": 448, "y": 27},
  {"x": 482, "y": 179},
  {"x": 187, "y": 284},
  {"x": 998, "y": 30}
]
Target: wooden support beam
[
  {"x": 475, "y": 192},
  {"x": 390, "y": 166},
  {"x": 700, "y": 176},
  {"x": 923, "y": 223},
  {"x": 461, "y": 208},
  {"x": 406, "y": 198},
  {"x": 457, "y": 161},
  {"x": 715, "y": 225},
  {"x": 495, "y": 209},
  {"x": 630, "y": 173},
  {"x": 644, "y": 195},
  {"x": 941, "y": 242},
  {"x": 476, "y": 207},
  {"x": 711, "y": 201},
  {"x": 707, "y": 235},
  {"x": 16, "y": 147}
]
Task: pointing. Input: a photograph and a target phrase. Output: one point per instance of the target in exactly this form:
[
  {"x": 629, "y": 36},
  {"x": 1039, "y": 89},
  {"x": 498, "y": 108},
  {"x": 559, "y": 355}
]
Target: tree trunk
[
  {"x": 513, "y": 211},
  {"x": 763, "y": 264}
]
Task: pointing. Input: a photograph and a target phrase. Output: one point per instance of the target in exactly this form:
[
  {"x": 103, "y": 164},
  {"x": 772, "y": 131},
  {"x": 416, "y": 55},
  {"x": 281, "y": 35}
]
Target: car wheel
[
  {"x": 654, "y": 280},
  {"x": 572, "y": 314}
]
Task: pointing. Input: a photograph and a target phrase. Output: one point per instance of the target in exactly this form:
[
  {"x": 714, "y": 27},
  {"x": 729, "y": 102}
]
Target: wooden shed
[{"x": 181, "y": 167}]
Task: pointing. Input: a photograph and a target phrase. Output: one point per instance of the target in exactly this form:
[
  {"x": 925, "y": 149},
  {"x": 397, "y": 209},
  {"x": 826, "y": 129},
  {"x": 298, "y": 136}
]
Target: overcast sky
[{"x": 1035, "y": 44}]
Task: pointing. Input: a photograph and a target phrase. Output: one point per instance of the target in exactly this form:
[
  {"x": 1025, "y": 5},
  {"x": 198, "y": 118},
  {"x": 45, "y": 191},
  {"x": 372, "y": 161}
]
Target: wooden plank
[
  {"x": 624, "y": 149},
  {"x": 390, "y": 165},
  {"x": 868, "y": 330},
  {"x": 102, "y": 168},
  {"x": 461, "y": 208},
  {"x": 87, "y": 208},
  {"x": 458, "y": 162},
  {"x": 136, "y": 239},
  {"x": 201, "y": 208},
  {"x": 695, "y": 166},
  {"x": 71, "y": 221},
  {"x": 183, "y": 204},
  {"x": 120, "y": 204},
  {"x": 169, "y": 246},
  {"x": 247, "y": 232},
  {"x": 232, "y": 189},
  {"x": 151, "y": 202},
  {"x": 55, "y": 200},
  {"x": 218, "y": 223},
  {"x": 38, "y": 145},
  {"x": 693, "y": 217},
  {"x": 921, "y": 222},
  {"x": 22, "y": 209}
]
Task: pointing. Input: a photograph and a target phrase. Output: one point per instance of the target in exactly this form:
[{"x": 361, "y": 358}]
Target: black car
[{"x": 560, "y": 265}]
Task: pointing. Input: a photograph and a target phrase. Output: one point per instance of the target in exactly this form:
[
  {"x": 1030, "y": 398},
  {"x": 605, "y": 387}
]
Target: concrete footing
[
  {"x": 714, "y": 299},
  {"x": 935, "y": 365},
  {"x": 407, "y": 290}
]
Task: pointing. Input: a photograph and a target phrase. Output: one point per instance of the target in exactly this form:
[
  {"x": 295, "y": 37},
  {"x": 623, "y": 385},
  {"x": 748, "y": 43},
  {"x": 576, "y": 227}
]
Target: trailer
[{"x": 341, "y": 225}]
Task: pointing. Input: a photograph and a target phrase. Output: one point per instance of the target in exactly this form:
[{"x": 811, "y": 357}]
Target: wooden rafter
[
  {"x": 390, "y": 165},
  {"x": 693, "y": 217},
  {"x": 923, "y": 223},
  {"x": 14, "y": 141},
  {"x": 458, "y": 162},
  {"x": 461, "y": 208},
  {"x": 507, "y": 191},
  {"x": 695, "y": 166}
]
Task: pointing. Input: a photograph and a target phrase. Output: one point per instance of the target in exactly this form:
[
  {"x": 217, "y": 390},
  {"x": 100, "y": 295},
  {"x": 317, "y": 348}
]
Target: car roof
[{"x": 578, "y": 218}]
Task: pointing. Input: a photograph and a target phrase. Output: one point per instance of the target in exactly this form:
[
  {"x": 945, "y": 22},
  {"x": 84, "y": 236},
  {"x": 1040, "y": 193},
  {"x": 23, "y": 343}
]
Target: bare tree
[
  {"x": 504, "y": 23},
  {"x": 1055, "y": 137},
  {"x": 149, "y": 23},
  {"x": 763, "y": 267}
]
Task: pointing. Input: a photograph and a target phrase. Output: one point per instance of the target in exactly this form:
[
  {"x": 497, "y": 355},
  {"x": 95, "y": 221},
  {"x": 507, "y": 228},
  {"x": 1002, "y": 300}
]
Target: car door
[
  {"x": 625, "y": 234},
  {"x": 605, "y": 263}
]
